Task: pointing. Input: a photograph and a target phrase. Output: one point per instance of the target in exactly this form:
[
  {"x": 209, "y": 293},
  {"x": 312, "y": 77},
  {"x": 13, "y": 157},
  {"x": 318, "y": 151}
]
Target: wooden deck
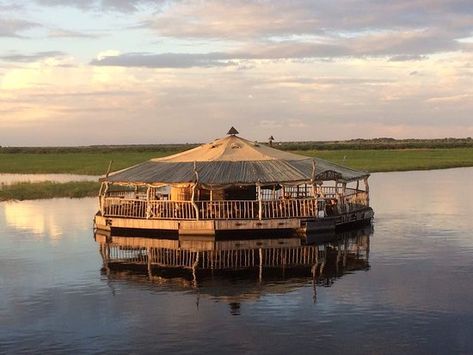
[{"x": 328, "y": 210}]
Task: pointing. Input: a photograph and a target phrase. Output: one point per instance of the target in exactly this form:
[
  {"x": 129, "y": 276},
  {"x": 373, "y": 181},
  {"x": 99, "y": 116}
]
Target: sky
[{"x": 83, "y": 72}]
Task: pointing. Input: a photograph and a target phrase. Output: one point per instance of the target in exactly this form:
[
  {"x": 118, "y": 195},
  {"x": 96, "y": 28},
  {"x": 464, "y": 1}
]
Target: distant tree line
[
  {"x": 359, "y": 144},
  {"x": 379, "y": 143},
  {"x": 100, "y": 148}
]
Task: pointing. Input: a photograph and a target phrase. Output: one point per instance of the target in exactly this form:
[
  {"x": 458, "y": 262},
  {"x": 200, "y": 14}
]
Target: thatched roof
[{"x": 234, "y": 160}]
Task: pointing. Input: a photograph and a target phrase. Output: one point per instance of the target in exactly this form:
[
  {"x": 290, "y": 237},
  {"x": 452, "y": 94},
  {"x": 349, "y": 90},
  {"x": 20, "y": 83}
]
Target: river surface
[
  {"x": 416, "y": 296},
  {"x": 8, "y": 179}
]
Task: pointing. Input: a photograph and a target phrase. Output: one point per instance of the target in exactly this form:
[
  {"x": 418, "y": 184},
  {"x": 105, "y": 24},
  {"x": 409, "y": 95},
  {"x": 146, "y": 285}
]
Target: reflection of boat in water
[{"x": 258, "y": 265}]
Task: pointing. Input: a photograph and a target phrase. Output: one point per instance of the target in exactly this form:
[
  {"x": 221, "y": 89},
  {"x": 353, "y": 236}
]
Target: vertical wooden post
[
  {"x": 196, "y": 208},
  {"x": 103, "y": 196},
  {"x": 367, "y": 189},
  {"x": 148, "y": 202},
  {"x": 109, "y": 169},
  {"x": 260, "y": 202},
  {"x": 101, "y": 191},
  {"x": 338, "y": 197}
]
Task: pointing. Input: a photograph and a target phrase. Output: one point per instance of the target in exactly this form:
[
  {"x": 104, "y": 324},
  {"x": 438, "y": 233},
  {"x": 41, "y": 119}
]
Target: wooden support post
[
  {"x": 101, "y": 200},
  {"x": 196, "y": 208},
  {"x": 260, "y": 202},
  {"x": 103, "y": 196},
  {"x": 367, "y": 189},
  {"x": 109, "y": 168},
  {"x": 148, "y": 202},
  {"x": 338, "y": 197}
]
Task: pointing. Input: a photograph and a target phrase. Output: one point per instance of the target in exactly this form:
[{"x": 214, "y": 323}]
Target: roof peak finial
[{"x": 232, "y": 131}]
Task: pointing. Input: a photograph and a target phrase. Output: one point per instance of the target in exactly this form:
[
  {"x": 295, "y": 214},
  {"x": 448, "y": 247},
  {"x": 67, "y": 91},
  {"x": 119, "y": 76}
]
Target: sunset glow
[{"x": 141, "y": 71}]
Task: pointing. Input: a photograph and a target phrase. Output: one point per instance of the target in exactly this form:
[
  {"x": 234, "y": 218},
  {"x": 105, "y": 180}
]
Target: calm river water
[{"x": 416, "y": 296}]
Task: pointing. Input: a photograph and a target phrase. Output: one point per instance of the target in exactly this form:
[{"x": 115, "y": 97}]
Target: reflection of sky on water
[
  {"x": 416, "y": 297},
  {"x": 417, "y": 193},
  {"x": 15, "y": 178},
  {"x": 49, "y": 219}
]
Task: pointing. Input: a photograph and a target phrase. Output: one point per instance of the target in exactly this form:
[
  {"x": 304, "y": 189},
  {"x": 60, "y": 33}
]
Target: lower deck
[{"x": 212, "y": 227}]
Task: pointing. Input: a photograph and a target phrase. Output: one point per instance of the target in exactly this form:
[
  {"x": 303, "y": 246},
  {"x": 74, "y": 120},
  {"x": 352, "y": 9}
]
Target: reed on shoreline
[{"x": 47, "y": 189}]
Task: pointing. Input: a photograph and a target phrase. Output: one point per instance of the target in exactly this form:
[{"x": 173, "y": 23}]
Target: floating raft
[{"x": 233, "y": 184}]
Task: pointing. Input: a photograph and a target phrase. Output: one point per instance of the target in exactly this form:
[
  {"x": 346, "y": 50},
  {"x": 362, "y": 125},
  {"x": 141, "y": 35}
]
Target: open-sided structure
[{"x": 233, "y": 184}]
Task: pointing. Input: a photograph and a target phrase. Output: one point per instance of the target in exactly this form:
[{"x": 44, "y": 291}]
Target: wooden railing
[
  {"x": 356, "y": 200},
  {"x": 162, "y": 209},
  {"x": 121, "y": 207},
  {"x": 331, "y": 191},
  {"x": 231, "y": 209},
  {"x": 289, "y": 208}
]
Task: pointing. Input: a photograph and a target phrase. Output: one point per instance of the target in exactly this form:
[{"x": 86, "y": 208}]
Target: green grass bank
[
  {"x": 96, "y": 163},
  {"x": 42, "y": 190},
  {"x": 372, "y": 160}
]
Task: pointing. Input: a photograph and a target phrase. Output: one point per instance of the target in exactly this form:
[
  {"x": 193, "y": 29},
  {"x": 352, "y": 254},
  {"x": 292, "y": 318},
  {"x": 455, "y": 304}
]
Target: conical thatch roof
[{"x": 234, "y": 160}]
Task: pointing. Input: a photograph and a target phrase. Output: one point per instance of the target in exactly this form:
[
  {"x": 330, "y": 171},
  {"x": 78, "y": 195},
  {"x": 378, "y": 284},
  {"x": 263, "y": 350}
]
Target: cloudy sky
[{"x": 140, "y": 71}]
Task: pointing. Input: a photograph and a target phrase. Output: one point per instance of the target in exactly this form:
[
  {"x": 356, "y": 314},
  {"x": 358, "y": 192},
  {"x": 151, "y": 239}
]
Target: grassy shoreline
[
  {"x": 371, "y": 160},
  {"x": 398, "y": 159},
  {"x": 47, "y": 189}
]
